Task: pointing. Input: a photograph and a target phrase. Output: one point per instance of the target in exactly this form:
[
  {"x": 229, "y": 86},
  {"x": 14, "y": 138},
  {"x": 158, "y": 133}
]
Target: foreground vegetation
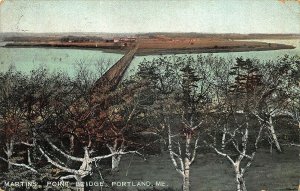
[{"x": 53, "y": 128}]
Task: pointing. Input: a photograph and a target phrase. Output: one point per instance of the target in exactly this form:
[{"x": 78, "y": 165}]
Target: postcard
[{"x": 149, "y": 95}]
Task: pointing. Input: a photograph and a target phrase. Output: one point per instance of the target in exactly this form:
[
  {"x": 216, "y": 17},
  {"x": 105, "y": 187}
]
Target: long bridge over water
[{"x": 111, "y": 78}]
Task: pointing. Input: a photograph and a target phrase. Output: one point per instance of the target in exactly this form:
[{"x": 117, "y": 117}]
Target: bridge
[{"x": 111, "y": 78}]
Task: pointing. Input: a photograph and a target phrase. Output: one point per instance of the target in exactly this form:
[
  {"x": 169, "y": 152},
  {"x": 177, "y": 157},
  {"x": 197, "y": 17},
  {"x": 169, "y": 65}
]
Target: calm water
[
  {"x": 55, "y": 59},
  {"x": 68, "y": 60}
]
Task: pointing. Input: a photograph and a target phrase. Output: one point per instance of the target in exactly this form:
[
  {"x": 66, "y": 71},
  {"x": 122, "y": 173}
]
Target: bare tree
[
  {"x": 236, "y": 145},
  {"x": 292, "y": 91},
  {"x": 119, "y": 127},
  {"x": 108, "y": 124},
  {"x": 276, "y": 93},
  {"x": 26, "y": 102},
  {"x": 13, "y": 127},
  {"x": 240, "y": 133},
  {"x": 179, "y": 96},
  {"x": 258, "y": 95},
  {"x": 86, "y": 162},
  {"x": 183, "y": 152}
]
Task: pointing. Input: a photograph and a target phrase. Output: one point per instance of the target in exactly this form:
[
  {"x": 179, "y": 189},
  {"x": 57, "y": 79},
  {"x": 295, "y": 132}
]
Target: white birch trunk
[
  {"x": 29, "y": 157},
  {"x": 9, "y": 151},
  {"x": 186, "y": 173},
  {"x": 34, "y": 144},
  {"x": 115, "y": 160},
  {"x": 183, "y": 160},
  {"x": 274, "y": 136},
  {"x": 224, "y": 138},
  {"x": 186, "y": 176},
  {"x": 85, "y": 167},
  {"x": 239, "y": 177}
]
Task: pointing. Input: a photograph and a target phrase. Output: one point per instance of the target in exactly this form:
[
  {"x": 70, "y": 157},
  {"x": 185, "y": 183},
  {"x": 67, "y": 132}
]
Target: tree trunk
[
  {"x": 186, "y": 178},
  {"x": 224, "y": 138},
  {"x": 9, "y": 152},
  {"x": 8, "y": 164},
  {"x": 239, "y": 178},
  {"x": 241, "y": 186},
  {"x": 85, "y": 167},
  {"x": 29, "y": 157},
  {"x": 186, "y": 183},
  {"x": 34, "y": 149},
  {"x": 186, "y": 173},
  {"x": 274, "y": 136},
  {"x": 115, "y": 163}
]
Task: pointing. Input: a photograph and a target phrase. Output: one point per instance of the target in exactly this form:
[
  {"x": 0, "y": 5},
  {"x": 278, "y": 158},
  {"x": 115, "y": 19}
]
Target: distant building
[{"x": 128, "y": 39}]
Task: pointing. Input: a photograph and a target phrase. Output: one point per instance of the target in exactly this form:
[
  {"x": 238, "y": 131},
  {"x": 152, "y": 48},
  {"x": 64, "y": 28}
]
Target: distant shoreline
[
  {"x": 158, "y": 51},
  {"x": 66, "y": 47},
  {"x": 207, "y": 50}
]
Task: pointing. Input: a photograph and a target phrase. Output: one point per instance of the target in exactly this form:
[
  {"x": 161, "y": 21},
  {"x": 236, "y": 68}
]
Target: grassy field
[{"x": 272, "y": 172}]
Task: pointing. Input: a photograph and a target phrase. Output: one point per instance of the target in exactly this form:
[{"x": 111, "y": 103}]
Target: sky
[{"x": 132, "y": 16}]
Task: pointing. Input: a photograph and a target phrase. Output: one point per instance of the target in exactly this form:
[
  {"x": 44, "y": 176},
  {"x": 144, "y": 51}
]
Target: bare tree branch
[
  {"x": 63, "y": 153},
  {"x": 56, "y": 164},
  {"x": 19, "y": 165}
]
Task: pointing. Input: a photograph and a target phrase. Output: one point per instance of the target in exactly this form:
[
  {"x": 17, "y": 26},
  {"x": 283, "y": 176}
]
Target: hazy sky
[{"x": 207, "y": 16}]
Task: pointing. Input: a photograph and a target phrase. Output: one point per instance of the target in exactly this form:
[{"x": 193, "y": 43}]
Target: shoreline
[
  {"x": 66, "y": 47},
  {"x": 205, "y": 50},
  {"x": 157, "y": 51}
]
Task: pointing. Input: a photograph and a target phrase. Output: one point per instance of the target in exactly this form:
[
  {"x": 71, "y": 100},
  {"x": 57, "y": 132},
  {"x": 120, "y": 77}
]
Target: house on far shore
[
  {"x": 125, "y": 41},
  {"x": 128, "y": 39}
]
